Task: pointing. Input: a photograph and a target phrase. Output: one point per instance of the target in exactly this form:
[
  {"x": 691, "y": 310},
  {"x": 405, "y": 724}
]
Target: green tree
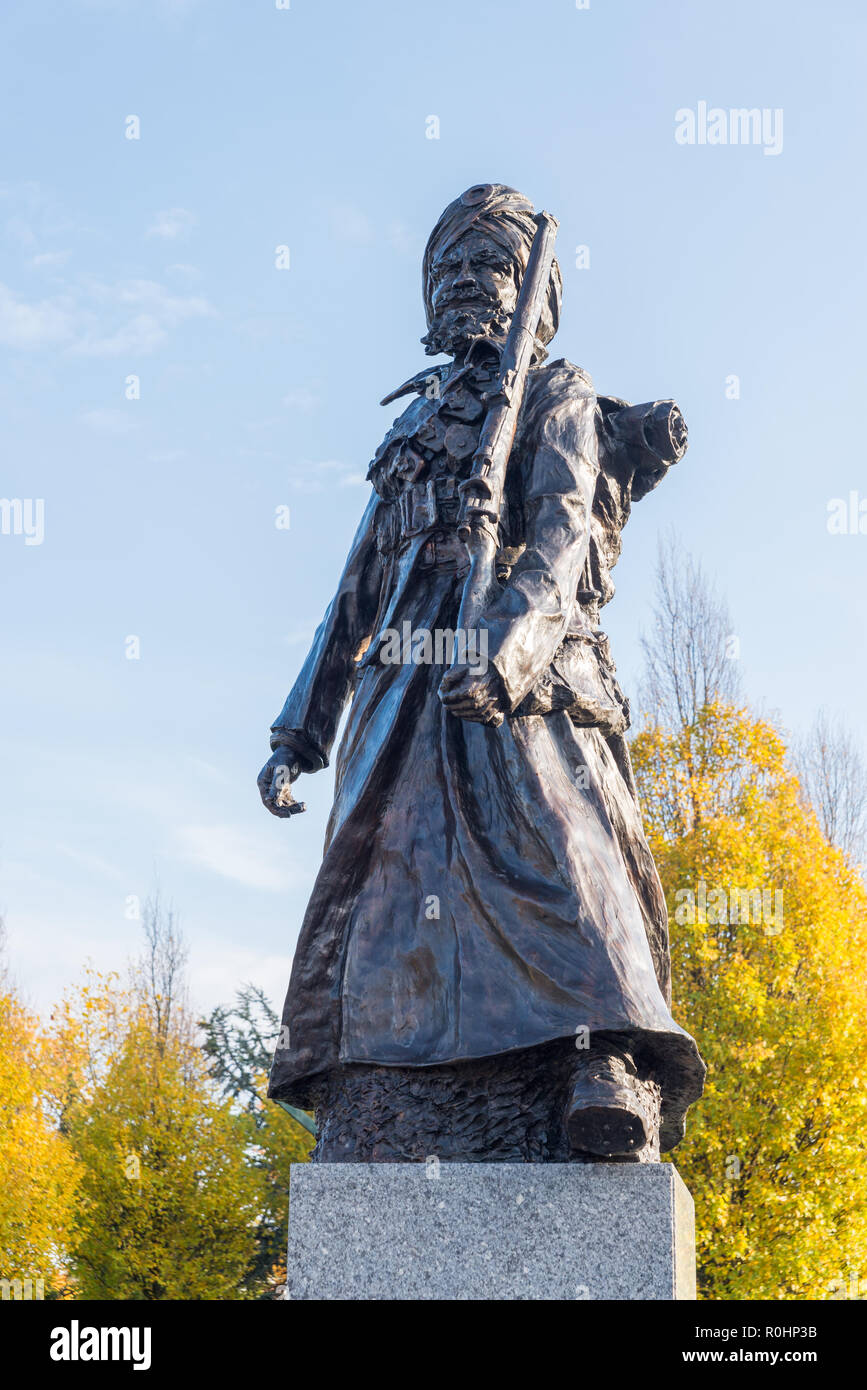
[{"x": 239, "y": 1041}]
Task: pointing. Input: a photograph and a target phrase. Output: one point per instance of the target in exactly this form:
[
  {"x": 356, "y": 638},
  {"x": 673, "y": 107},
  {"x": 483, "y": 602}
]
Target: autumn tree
[
  {"x": 169, "y": 1201},
  {"x": 769, "y": 939},
  {"x": 39, "y": 1170}
]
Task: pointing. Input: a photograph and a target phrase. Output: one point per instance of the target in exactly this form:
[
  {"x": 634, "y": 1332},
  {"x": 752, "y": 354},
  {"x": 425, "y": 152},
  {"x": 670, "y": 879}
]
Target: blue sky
[{"x": 259, "y": 387}]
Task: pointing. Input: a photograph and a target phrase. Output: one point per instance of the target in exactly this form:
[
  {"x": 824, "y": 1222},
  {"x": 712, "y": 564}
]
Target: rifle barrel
[{"x": 482, "y": 491}]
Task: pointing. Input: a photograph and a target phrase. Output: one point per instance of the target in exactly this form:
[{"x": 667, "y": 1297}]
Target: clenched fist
[{"x": 472, "y": 694}]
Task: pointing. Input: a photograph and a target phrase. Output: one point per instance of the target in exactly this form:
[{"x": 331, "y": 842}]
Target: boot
[{"x": 612, "y": 1113}]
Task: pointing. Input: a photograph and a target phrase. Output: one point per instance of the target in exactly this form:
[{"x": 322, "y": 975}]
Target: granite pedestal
[{"x": 490, "y": 1231}]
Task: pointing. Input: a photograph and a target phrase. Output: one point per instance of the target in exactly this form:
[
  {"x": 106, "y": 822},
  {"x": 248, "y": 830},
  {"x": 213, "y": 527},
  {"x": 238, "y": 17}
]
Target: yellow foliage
[
  {"x": 38, "y": 1168},
  {"x": 769, "y": 942},
  {"x": 168, "y": 1201}
]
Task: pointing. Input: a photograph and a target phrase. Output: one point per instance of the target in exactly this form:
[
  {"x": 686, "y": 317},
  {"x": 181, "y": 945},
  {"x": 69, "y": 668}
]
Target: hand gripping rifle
[{"x": 482, "y": 492}]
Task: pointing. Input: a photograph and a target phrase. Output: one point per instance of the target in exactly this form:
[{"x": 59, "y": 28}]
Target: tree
[
  {"x": 833, "y": 776},
  {"x": 169, "y": 1201},
  {"x": 239, "y": 1041},
  {"x": 39, "y": 1171},
  {"x": 690, "y": 657},
  {"x": 769, "y": 937},
  {"x": 160, "y": 972}
]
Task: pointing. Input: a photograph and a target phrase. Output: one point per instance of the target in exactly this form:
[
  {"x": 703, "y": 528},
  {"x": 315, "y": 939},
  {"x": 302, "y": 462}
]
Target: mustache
[{"x": 473, "y": 297}]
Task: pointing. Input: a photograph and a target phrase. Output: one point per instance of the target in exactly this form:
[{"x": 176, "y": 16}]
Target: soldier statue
[{"x": 483, "y": 971}]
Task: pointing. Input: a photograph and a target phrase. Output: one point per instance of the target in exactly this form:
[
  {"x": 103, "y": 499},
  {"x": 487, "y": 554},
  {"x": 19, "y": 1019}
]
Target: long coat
[{"x": 482, "y": 889}]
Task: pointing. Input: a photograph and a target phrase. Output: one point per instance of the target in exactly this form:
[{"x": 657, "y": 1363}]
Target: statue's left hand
[
  {"x": 472, "y": 694},
  {"x": 274, "y": 781}
]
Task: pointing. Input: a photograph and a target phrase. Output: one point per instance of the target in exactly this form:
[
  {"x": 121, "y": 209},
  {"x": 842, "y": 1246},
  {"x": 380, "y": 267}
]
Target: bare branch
[
  {"x": 690, "y": 656},
  {"x": 163, "y": 965},
  {"x": 833, "y": 776}
]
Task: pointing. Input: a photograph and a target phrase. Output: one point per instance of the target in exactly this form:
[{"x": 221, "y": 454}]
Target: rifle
[{"x": 482, "y": 492}]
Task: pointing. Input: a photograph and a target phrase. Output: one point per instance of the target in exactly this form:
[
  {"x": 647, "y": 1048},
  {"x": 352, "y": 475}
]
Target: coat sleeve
[
  {"x": 308, "y": 720},
  {"x": 529, "y": 620}
]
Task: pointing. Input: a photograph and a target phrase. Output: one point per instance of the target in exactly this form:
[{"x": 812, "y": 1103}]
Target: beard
[{"x": 458, "y": 324}]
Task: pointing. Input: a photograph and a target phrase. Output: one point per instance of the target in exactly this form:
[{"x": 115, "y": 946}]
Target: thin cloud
[
  {"x": 46, "y": 323},
  {"x": 50, "y": 259},
  {"x": 217, "y": 969},
  {"x": 32, "y": 216},
  {"x": 172, "y": 223},
  {"x": 323, "y": 476},
  {"x": 95, "y": 319},
  {"x": 92, "y": 862},
  {"x": 233, "y": 854}
]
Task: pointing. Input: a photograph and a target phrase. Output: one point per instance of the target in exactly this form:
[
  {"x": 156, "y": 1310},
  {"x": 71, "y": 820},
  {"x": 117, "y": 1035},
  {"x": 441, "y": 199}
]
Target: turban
[{"x": 506, "y": 216}]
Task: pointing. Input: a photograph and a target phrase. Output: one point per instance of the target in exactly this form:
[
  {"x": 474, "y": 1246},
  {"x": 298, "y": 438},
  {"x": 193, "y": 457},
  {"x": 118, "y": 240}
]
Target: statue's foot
[{"x": 612, "y": 1113}]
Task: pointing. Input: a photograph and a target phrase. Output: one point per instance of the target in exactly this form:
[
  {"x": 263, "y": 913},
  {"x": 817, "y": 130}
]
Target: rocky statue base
[{"x": 490, "y": 1231}]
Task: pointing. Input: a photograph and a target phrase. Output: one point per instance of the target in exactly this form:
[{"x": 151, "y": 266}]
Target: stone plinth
[{"x": 490, "y": 1231}]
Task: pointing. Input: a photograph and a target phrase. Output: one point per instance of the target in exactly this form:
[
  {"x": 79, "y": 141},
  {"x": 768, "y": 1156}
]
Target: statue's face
[{"x": 475, "y": 289}]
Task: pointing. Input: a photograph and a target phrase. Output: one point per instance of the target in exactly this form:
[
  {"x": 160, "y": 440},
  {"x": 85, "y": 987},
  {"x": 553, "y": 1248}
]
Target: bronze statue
[{"x": 483, "y": 971}]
